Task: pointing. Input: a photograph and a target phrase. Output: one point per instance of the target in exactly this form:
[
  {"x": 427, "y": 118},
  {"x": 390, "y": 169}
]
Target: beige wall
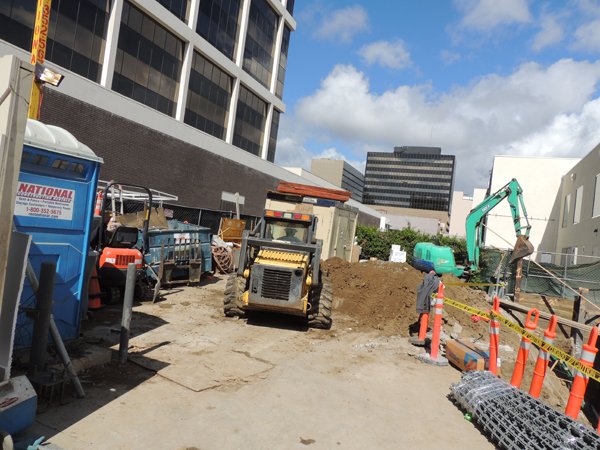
[
  {"x": 329, "y": 169},
  {"x": 584, "y": 234},
  {"x": 396, "y": 211},
  {"x": 540, "y": 178},
  {"x": 461, "y": 207}
]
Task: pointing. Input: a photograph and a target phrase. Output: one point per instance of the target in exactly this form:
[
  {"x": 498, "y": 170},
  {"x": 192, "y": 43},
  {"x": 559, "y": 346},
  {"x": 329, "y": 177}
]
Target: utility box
[
  {"x": 54, "y": 204},
  {"x": 336, "y": 224}
]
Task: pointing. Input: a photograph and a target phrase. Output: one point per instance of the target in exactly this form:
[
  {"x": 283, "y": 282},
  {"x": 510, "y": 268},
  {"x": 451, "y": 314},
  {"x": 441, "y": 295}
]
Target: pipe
[
  {"x": 41, "y": 325},
  {"x": 64, "y": 356},
  {"x": 127, "y": 311},
  {"x": 60, "y": 346}
]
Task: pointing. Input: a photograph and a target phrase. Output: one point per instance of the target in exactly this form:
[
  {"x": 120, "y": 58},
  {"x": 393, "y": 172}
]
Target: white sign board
[{"x": 48, "y": 202}]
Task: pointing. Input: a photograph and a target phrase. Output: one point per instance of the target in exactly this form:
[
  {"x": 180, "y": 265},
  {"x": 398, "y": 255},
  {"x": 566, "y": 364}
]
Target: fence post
[{"x": 579, "y": 317}]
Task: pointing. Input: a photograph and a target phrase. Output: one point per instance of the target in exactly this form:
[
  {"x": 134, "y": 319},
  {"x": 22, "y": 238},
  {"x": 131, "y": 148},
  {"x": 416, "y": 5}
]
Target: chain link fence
[{"x": 536, "y": 280}]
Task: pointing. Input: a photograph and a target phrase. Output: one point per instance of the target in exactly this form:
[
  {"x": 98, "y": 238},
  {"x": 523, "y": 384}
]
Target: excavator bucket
[{"x": 522, "y": 248}]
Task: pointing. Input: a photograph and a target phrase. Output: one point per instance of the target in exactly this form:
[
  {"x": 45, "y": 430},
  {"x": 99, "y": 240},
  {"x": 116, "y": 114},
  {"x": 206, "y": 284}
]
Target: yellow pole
[{"x": 38, "y": 54}]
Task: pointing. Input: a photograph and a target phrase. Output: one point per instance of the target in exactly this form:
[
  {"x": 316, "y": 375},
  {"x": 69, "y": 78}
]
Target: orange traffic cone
[
  {"x": 494, "y": 338},
  {"x": 530, "y": 325},
  {"x": 98, "y": 208},
  {"x": 94, "y": 291},
  {"x": 539, "y": 373},
  {"x": 588, "y": 354}
]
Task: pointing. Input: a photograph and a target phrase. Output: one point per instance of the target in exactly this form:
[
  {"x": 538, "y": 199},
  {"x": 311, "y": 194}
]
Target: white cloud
[
  {"x": 490, "y": 115},
  {"x": 449, "y": 57},
  {"x": 587, "y": 36},
  {"x": 551, "y": 32},
  {"x": 341, "y": 25},
  {"x": 484, "y": 15},
  {"x": 391, "y": 54}
]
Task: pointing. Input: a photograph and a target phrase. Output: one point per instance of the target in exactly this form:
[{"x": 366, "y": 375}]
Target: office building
[
  {"x": 410, "y": 178},
  {"x": 184, "y": 96},
  {"x": 341, "y": 174}
]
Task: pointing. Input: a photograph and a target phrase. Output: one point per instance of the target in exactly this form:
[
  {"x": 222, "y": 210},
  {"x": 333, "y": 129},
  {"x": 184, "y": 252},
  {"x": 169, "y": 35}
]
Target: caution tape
[
  {"x": 536, "y": 340},
  {"x": 474, "y": 284}
]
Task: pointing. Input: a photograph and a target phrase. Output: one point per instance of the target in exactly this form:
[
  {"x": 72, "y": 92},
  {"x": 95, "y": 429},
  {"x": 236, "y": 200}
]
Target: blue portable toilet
[{"x": 54, "y": 204}]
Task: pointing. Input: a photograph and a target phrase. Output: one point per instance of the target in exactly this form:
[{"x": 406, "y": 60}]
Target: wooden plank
[
  {"x": 313, "y": 191},
  {"x": 545, "y": 315}
]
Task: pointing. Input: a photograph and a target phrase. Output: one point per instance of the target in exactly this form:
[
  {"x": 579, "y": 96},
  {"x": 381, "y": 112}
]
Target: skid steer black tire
[
  {"x": 232, "y": 302},
  {"x": 321, "y": 301}
]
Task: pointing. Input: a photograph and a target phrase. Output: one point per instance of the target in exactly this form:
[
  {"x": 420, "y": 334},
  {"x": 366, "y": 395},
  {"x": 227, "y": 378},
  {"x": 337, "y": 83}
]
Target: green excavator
[
  {"x": 428, "y": 256},
  {"x": 474, "y": 224}
]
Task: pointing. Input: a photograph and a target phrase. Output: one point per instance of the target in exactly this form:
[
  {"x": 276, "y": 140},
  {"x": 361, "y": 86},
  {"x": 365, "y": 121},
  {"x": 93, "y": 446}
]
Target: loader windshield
[{"x": 283, "y": 230}]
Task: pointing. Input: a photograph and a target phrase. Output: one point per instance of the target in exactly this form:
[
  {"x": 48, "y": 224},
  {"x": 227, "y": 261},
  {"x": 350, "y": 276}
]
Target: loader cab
[{"x": 290, "y": 227}]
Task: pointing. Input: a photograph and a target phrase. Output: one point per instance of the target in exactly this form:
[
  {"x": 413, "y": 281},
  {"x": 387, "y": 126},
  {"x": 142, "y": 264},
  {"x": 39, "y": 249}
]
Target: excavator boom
[{"x": 513, "y": 193}]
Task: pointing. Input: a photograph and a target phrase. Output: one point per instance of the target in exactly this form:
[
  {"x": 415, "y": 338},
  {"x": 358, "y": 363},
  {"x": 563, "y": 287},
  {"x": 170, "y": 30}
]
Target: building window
[
  {"x": 75, "y": 35},
  {"x": 290, "y": 6},
  {"x": 179, "y": 8},
  {"x": 285, "y": 43},
  {"x": 208, "y": 97},
  {"x": 148, "y": 62},
  {"x": 596, "y": 208},
  {"x": 273, "y": 135},
  {"x": 218, "y": 23},
  {"x": 260, "y": 42},
  {"x": 577, "y": 206},
  {"x": 566, "y": 209},
  {"x": 249, "y": 122}
]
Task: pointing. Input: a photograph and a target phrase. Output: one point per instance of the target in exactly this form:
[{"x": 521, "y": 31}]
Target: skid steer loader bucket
[{"x": 522, "y": 248}]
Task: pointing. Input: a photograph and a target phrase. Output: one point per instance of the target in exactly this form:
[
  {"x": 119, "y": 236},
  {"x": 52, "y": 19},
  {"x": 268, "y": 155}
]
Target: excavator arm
[{"x": 513, "y": 192}]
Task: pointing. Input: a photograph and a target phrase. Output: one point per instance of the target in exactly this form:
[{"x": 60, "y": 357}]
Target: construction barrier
[
  {"x": 437, "y": 322},
  {"x": 531, "y": 324},
  {"x": 423, "y": 326},
  {"x": 98, "y": 207},
  {"x": 537, "y": 341},
  {"x": 94, "y": 301},
  {"x": 580, "y": 382},
  {"x": 494, "y": 338},
  {"x": 539, "y": 372}
]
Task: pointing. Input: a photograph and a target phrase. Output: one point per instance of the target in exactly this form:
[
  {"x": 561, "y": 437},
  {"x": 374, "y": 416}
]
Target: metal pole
[
  {"x": 127, "y": 307},
  {"x": 62, "y": 351},
  {"x": 58, "y": 342},
  {"x": 41, "y": 326}
]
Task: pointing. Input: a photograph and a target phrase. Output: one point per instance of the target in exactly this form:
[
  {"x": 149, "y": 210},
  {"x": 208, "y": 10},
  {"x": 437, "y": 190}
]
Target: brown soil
[{"x": 381, "y": 296}]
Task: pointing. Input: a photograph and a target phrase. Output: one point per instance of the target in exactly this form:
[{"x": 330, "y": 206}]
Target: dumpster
[
  {"x": 180, "y": 253},
  {"x": 54, "y": 204}
]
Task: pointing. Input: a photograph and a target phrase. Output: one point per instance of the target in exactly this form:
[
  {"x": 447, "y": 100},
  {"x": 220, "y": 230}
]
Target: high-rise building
[
  {"x": 410, "y": 177},
  {"x": 339, "y": 173},
  {"x": 171, "y": 93}
]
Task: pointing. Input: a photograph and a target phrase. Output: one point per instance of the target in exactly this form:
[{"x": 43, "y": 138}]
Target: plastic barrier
[
  {"x": 588, "y": 354},
  {"x": 530, "y": 324},
  {"x": 539, "y": 373},
  {"x": 494, "y": 338},
  {"x": 434, "y": 357}
]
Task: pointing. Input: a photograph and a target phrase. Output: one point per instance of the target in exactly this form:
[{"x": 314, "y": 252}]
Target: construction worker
[{"x": 290, "y": 235}]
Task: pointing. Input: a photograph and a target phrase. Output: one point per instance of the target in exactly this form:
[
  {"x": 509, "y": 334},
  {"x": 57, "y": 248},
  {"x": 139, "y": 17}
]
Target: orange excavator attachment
[{"x": 522, "y": 248}]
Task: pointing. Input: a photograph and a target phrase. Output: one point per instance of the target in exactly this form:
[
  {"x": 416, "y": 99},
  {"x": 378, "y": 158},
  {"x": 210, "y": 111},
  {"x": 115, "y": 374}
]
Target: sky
[{"x": 477, "y": 78}]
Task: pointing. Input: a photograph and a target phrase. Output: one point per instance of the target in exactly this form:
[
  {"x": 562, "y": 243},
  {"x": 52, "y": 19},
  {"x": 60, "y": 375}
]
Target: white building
[
  {"x": 461, "y": 207},
  {"x": 540, "y": 178}
]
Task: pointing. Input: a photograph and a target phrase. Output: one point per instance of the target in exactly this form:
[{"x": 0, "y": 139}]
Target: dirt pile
[{"x": 380, "y": 295}]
